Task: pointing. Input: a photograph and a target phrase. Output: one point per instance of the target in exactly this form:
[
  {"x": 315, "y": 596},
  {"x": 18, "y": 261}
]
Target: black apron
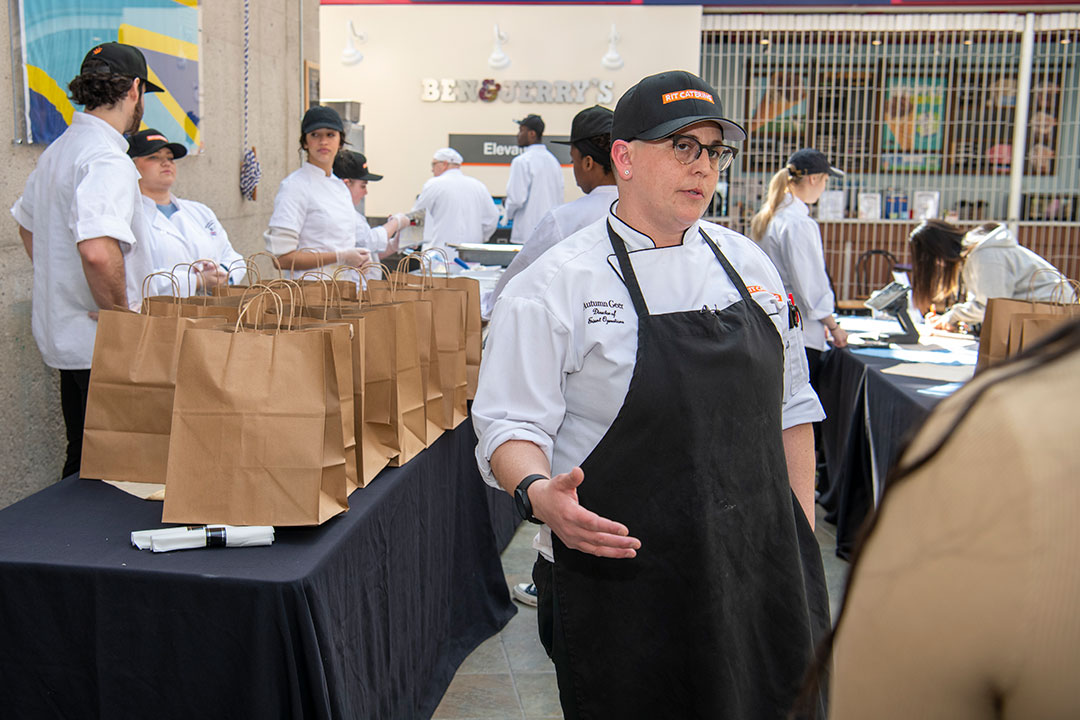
[{"x": 718, "y": 614}]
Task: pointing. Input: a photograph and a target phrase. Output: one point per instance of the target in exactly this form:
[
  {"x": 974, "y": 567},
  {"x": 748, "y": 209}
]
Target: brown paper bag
[
  {"x": 473, "y": 339},
  {"x": 256, "y": 430},
  {"x": 408, "y": 411},
  {"x": 130, "y": 398},
  {"x": 996, "y": 343},
  {"x": 342, "y": 336},
  {"x": 378, "y": 431}
]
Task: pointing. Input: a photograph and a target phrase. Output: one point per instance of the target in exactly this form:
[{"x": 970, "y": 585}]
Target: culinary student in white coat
[
  {"x": 590, "y": 152},
  {"x": 79, "y": 222},
  {"x": 536, "y": 182},
  {"x": 991, "y": 263},
  {"x": 313, "y": 210},
  {"x": 181, "y": 231},
  {"x": 792, "y": 240},
  {"x": 458, "y": 208},
  {"x": 381, "y": 241}
]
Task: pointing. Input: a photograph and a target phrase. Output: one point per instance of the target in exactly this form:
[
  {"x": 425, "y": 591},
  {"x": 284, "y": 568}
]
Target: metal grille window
[{"x": 965, "y": 117}]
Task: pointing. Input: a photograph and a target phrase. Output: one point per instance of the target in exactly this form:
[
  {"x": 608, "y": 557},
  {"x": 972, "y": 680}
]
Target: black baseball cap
[
  {"x": 350, "y": 165},
  {"x": 121, "y": 60},
  {"x": 533, "y": 122},
  {"x": 149, "y": 141},
  {"x": 319, "y": 117},
  {"x": 588, "y": 123},
  {"x": 810, "y": 162},
  {"x": 663, "y": 104}
]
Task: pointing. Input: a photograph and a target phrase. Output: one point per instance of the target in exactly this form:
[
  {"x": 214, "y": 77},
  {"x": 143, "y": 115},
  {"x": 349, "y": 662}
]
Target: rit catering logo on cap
[
  {"x": 97, "y": 49},
  {"x": 686, "y": 95}
]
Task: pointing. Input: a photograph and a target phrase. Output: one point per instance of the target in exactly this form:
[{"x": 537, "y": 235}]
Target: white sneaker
[{"x": 525, "y": 593}]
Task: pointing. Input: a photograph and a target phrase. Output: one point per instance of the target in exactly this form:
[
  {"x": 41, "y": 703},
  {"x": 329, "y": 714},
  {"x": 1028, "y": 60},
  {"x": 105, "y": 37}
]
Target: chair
[{"x": 862, "y": 270}]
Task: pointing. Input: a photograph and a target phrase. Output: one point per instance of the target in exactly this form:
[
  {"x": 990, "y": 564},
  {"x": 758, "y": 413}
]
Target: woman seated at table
[
  {"x": 181, "y": 231},
  {"x": 990, "y": 263},
  {"x": 314, "y": 222}
]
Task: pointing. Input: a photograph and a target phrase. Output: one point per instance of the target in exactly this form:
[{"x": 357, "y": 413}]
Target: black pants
[
  {"x": 549, "y": 627},
  {"x": 813, "y": 363},
  {"x": 73, "y": 387}
]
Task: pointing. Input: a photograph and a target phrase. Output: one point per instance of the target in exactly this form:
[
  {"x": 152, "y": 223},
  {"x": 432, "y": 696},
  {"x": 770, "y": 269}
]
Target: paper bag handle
[
  {"x": 273, "y": 261},
  {"x": 173, "y": 281},
  {"x": 239, "y": 327}
]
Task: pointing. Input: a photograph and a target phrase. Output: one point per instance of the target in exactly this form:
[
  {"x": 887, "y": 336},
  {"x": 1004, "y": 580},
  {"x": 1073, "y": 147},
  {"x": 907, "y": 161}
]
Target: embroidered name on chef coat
[{"x": 607, "y": 312}]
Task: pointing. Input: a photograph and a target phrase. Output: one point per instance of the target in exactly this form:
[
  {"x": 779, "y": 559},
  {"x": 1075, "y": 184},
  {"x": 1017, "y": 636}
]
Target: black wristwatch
[{"x": 521, "y": 498}]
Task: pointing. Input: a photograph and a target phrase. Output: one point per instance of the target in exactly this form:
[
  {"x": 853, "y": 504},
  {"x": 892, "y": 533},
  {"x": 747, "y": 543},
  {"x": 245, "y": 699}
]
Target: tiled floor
[{"x": 509, "y": 677}]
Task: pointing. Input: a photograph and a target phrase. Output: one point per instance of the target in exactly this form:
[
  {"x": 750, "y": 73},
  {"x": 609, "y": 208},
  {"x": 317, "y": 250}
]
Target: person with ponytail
[
  {"x": 792, "y": 240},
  {"x": 989, "y": 262}
]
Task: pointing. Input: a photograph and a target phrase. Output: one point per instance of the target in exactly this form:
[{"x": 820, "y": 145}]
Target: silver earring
[{"x": 625, "y": 172}]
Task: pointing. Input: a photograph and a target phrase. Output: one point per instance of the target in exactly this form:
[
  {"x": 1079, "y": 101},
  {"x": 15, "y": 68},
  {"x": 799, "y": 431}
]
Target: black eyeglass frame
[{"x": 715, "y": 152}]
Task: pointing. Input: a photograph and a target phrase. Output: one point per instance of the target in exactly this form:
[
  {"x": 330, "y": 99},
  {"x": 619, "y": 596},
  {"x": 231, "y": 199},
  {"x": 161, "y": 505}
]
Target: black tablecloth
[
  {"x": 854, "y": 392},
  {"x": 367, "y": 616}
]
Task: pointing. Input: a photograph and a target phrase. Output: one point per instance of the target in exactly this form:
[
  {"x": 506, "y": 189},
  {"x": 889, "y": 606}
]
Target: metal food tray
[{"x": 487, "y": 253}]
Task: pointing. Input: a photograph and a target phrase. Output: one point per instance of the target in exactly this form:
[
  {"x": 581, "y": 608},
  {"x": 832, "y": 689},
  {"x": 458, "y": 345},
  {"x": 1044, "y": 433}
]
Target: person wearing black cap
[
  {"x": 181, "y": 231},
  {"x": 457, "y": 208},
  {"x": 381, "y": 241},
  {"x": 792, "y": 240},
  {"x": 314, "y": 222},
  {"x": 536, "y": 182},
  {"x": 661, "y": 435},
  {"x": 79, "y": 221},
  {"x": 590, "y": 152}
]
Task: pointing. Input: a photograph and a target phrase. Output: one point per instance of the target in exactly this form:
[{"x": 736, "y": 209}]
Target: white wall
[
  {"x": 32, "y": 446},
  {"x": 407, "y": 43}
]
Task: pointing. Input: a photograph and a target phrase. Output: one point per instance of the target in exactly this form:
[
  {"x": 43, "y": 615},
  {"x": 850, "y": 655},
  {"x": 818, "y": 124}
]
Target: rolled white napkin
[{"x": 184, "y": 538}]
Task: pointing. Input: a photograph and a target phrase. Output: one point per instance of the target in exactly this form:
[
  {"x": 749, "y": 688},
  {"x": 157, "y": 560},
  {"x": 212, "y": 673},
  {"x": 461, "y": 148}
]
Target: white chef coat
[
  {"x": 560, "y": 223},
  {"x": 793, "y": 243},
  {"x": 535, "y": 186},
  {"x": 562, "y": 344},
  {"x": 84, "y": 186},
  {"x": 459, "y": 209},
  {"x": 374, "y": 239},
  {"x": 192, "y": 233},
  {"x": 997, "y": 266},
  {"x": 317, "y": 209}
]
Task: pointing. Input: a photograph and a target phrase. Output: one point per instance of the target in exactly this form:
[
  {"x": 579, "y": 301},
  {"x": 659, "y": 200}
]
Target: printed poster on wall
[
  {"x": 912, "y": 124},
  {"x": 57, "y": 34}
]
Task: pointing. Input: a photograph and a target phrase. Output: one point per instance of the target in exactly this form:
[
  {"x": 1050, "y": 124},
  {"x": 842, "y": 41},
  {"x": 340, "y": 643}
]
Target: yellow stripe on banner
[
  {"x": 43, "y": 84},
  {"x": 141, "y": 37},
  {"x": 174, "y": 109},
  {"x": 188, "y": 3}
]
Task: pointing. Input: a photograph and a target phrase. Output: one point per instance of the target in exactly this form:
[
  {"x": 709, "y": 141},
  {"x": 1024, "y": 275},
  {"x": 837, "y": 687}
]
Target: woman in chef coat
[
  {"x": 662, "y": 437},
  {"x": 313, "y": 210},
  {"x": 792, "y": 240},
  {"x": 182, "y": 231},
  {"x": 988, "y": 260}
]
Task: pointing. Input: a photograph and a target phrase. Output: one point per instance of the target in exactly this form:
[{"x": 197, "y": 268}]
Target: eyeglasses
[{"x": 688, "y": 150}]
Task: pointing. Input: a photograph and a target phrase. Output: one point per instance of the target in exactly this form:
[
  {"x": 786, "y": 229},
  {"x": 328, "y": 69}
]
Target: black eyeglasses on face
[{"x": 688, "y": 149}]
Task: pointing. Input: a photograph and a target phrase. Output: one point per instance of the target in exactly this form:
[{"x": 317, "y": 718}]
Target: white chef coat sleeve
[
  {"x": 489, "y": 217},
  {"x": 800, "y": 242},
  {"x": 290, "y": 208},
  {"x": 522, "y": 378},
  {"x": 23, "y": 209},
  {"x": 378, "y": 240},
  {"x": 224, "y": 254},
  {"x": 426, "y": 197},
  {"x": 517, "y": 187},
  {"x": 103, "y": 206},
  {"x": 986, "y": 275},
  {"x": 544, "y": 237}
]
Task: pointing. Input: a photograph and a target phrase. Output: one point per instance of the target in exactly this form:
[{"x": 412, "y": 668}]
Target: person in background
[
  {"x": 643, "y": 395},
  {"x": 181, "y": 231},
  {"x": 381, "y": 241},
  {"x": 590, "y": 151},
  {"x": 313, "y": 210},
  {"x": 536, "y": 183},
  {"x": 80, "y": 224},
  {"x": 792, "y": 240},
  {"x": 458, "y": 208},
  {"x": 961, "y": 600},
  {"x": 988, "y": 260}
]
